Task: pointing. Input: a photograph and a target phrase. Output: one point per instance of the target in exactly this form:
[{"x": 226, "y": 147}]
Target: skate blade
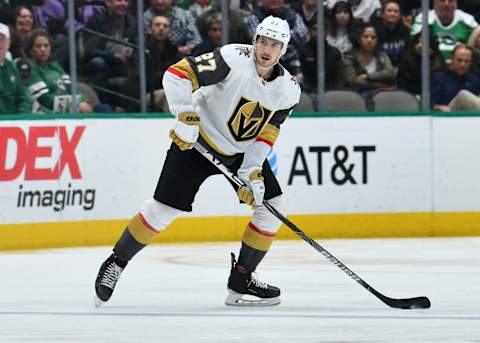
[
  {"x": 236, "y": 299},
  {"x": 98, "y": 302}
]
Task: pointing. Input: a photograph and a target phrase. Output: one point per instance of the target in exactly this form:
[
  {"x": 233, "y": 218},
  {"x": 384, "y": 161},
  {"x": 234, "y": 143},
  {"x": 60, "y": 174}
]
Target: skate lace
[
  {"x": 111, "y": 275},
  {"x": 255, "y": 281}
]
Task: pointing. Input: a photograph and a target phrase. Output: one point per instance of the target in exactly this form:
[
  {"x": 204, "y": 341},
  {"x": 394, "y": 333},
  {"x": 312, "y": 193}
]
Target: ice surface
[{"x": 175, "y": 293}]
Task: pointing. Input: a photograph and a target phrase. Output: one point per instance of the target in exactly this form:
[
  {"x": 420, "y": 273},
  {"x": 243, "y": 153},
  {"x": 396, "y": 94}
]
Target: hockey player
[{"x": 233, "y": 100}]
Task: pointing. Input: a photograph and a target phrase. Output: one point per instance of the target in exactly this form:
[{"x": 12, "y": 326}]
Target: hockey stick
[{"x": 408, "y": 303}]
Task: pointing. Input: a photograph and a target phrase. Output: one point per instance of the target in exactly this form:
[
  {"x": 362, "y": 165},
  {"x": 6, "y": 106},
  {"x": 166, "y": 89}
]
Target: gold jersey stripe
[
  {"x": 212, "y": 144},
  {"x": 183, "y": 67},
  {"x": 140, "y": 230},
  {"x": 269, "y": 133}
]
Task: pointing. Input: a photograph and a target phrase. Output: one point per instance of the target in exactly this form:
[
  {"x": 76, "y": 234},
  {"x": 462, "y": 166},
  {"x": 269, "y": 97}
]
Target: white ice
[{"x": 175, "y": 293}]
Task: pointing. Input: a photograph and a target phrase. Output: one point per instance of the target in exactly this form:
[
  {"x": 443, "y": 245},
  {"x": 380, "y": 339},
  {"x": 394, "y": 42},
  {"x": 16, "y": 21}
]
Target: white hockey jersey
[{"x": 235, "y": 105}]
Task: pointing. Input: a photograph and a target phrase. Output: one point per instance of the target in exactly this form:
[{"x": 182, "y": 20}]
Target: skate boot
[
  {"x": 107, "y": 278},
  {"x": 244, "y": 289}
]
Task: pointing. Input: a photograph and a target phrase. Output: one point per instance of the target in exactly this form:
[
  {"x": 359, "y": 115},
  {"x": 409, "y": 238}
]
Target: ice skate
[
  {"x": 244, "y": 289},
  {"x": 107, "y": 278}
]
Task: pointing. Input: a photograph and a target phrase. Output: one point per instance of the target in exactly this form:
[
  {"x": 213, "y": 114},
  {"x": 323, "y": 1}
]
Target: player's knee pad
[
  {"x": 263, "y": 227},
  {"x": 266, "y": 220},
  {"x": 152, "y": 218}
]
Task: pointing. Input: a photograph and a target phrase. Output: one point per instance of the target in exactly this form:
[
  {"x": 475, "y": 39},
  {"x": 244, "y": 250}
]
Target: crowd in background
[{"x": 370, "y": 46}]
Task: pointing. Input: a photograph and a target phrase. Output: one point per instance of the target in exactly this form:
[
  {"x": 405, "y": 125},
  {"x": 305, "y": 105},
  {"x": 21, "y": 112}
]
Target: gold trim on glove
[
  {"x": 256, "y": 175},
  {"x": 246, "y": 195},
  {"x": 184, "y": 118},
  {"x": 181, "y": 144},
  {"x": 189, "y": 118}
]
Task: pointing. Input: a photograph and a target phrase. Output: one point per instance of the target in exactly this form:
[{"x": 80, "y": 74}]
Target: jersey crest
[
  {"x": 244, "y": 50},
  {"x": 248, "y": 119}
]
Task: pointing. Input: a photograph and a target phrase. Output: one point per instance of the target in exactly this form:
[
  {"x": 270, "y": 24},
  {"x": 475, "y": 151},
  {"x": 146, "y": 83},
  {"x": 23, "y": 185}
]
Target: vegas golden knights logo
[{"x": 248, "y": 119}]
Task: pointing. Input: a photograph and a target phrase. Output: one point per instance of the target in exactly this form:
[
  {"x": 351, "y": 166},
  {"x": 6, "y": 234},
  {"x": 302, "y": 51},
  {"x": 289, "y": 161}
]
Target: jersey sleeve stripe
[
  {"x": 184, "y": 70},
  {"x": 269, "y": 134},
  {"x": 259, "y": 139},
  {"x": 180, "y": 75}
]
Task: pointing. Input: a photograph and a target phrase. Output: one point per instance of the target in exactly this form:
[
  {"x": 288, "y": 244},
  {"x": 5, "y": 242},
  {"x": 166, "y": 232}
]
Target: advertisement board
[{"x": 353, "y": 176}]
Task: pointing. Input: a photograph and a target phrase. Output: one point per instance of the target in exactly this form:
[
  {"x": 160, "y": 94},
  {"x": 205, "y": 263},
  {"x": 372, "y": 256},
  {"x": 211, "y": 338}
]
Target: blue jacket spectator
[
  {"x": 445, "y": 85},
  {"x": 393, "y": 35}
]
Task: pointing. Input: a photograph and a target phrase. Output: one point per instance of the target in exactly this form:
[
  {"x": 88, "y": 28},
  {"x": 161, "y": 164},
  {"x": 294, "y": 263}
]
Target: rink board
[{"x": 76, "y": 182}]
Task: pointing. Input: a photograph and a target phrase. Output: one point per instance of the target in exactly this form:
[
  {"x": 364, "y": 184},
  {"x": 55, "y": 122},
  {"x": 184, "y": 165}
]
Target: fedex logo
[{"x": 31, "y": 150}]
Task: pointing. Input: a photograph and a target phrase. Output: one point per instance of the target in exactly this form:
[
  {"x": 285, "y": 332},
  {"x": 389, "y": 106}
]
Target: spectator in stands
[
  {"x": 409, "y": 75},
  {"x": 162, "y": 55},
  {"x": 184, "y": 32},
  {"x": 449, "y": 24},
  {"x": 106, "y": 58},
  {"x": 340, "y": 26},
  {"x": 456, "y": 88},
  {"x": 214, "y": 39},
  {"x": 7, "y": 9},
  {"x": 391, "y": 32},
  {"x": 51, "y": 16},
  {"x": 49, "y": 84},
  {"x": 14, "y": 97},
  {"x": 362, "y": 9},
  {"x": 22, "y": 26},
  {"x": 307, "y": 10},
  {"x": 367, "y": 69},
  {"x": 237, "y": 30},
  {"x": 334, "y": 71}
]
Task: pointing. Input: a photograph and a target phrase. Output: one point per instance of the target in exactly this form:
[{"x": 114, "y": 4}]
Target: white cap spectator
[{"x": 4, "y": 30}]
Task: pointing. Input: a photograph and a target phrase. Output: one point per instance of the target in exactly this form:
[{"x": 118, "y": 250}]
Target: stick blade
[{"x": 409, "y": 304}]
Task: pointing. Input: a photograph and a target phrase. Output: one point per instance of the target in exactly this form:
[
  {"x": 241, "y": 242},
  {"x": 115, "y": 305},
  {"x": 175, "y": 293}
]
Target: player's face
[
  {"x": 267, "y": 51},
  {"x": 41, "y": 50}
]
